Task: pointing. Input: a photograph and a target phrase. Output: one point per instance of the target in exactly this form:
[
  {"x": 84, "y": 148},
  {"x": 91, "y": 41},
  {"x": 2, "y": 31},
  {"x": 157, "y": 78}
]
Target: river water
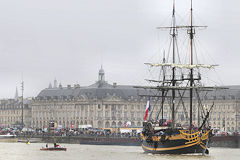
[{"x": 22, "y": 151}]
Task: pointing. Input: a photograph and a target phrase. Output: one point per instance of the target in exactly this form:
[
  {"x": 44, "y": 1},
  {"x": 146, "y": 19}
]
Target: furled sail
[{"x": 182, "y": 66}]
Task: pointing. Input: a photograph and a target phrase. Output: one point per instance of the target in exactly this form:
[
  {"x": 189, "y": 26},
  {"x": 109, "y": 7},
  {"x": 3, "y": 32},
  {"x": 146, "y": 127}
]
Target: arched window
[
  {"x": 132, "y": 124},
  {"x": 120, "y": 124},
  {"x": 113, "y": 124},
  {"x": 139, "y": 124},
  {"x": 107, "y": 125},
  {"x": 99, "y": 124}
]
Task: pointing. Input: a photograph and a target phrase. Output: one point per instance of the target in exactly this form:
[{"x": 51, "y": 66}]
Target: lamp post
[{"x": 22, "y": 102}]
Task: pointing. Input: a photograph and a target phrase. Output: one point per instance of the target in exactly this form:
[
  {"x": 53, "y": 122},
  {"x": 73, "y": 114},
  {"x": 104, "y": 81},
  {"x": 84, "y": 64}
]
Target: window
[
  {"x": 125, "y": 114},
  {"x": 86, "y": 113},
  {"x": 91, "y": 113},
  {"x": 165, "y": 107},
  {"x": 106, "y": 114},
  {"x": 119, "y": 114},
  {"x": 119, "y": 106},
  {"x": 138, "y": 114},
  {"x": 132, "y": 115},
  {"x": 132, "y": 107},
  {"x": 113, "y": 107},
  {"x": 99, "y": 114},
  {"x": 106, "y": 106},
  {"x": 113, "y": 114},
  {"x": 138, "y": 107},
  {"x": 99, "y": 106}
]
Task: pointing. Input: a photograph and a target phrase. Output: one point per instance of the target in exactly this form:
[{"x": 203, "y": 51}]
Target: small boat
[
  {"x": 8, "y": 138},
  {"x": 53, "y": 149},
  {"x": 8, "y": 135},
  {"x": 56, "y": 146}
]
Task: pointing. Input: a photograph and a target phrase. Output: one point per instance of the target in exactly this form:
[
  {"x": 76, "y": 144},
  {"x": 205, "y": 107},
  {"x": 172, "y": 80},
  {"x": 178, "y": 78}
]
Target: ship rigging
[{"x": 161, "y": 136}]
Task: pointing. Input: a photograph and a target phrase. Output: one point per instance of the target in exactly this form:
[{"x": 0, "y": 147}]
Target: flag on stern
[{"x": 147, "y": 109}]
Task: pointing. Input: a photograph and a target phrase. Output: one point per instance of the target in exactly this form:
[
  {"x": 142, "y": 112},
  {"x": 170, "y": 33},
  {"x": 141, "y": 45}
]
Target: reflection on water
[{"x": 22, "y": 151}]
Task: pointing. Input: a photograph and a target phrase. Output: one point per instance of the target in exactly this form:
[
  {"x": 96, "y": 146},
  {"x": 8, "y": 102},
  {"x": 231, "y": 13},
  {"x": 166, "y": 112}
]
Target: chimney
[
  {"x": 76, "y": 86},
  {"x": 69, "y": 86},
  {"x": 114, "y": 85}
]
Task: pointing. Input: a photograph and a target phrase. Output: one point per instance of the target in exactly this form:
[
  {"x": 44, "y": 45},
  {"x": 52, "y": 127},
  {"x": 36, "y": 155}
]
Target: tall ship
[{"x": 178, "y": 86}]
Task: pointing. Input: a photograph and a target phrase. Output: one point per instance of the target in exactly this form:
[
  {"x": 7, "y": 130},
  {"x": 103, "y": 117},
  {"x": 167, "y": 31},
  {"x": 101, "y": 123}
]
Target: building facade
[
  {"x": 101, "y": 105},
  {"x": 105, "y": 105},
  {"x": 11, "y": 113}
]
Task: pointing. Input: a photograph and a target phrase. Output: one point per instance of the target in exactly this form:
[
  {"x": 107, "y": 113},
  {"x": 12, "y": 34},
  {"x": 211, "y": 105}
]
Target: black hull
[
  {"x": 179, "y": 142},
  {"x": 173, "y": 148}
]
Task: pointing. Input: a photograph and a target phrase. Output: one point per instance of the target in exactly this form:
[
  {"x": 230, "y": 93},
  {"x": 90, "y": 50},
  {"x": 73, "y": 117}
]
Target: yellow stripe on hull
[{"x": 170, "y": 148}]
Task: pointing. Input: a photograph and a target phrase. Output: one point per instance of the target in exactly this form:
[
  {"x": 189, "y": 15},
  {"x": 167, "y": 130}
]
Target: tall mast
[
  {"x": 163, "y": 69},
  {"x": 173, "y": 34},
  {"x": 191, "y": 33},
  {"x": 22, "y": 102}
]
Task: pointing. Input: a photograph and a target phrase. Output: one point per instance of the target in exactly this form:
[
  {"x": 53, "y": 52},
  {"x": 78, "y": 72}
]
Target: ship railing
[
  {"x": 193, "y": 136},
  {"x": 189, "y": 135}
]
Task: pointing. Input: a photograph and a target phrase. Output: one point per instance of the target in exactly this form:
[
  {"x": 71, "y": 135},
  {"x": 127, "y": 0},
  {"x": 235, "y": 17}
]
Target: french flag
[{"x": 147, "y": 109}]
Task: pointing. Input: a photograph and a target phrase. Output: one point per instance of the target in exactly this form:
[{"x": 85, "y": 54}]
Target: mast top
[
  {"x": 173, "y": 7},
  {"x": 191, "y": 5}
]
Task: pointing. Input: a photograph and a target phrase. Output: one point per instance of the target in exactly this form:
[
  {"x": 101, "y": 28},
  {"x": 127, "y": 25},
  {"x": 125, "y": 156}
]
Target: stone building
[
  {"x": 11, "y": 113},
  {"x": 101, "y": 105},
  {"x": 225, "y": 115},
  {"x": 104, "y": 105}
]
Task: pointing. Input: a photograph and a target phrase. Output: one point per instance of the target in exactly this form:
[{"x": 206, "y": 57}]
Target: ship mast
[
  {"x": 163, "y": 69},
  {"x": 173, "y": 34},
  {"x": 191, "y": 33}
]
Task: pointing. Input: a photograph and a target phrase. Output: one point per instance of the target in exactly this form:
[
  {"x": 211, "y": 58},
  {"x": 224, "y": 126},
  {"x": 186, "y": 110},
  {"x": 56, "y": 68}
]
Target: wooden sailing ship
[{"x": 172, "y": 138}]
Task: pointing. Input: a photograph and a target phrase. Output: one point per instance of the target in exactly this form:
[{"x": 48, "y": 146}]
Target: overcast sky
[{"x": 70, "y": 39}]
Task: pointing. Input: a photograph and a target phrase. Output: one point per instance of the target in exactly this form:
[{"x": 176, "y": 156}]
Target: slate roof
[
  {"x": 97, "y": 90},
  {"x": 102, "y": 89}
]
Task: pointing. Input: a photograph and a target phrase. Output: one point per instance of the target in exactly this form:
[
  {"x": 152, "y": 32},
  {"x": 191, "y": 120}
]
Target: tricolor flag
[{"x": 147, "y": 109}]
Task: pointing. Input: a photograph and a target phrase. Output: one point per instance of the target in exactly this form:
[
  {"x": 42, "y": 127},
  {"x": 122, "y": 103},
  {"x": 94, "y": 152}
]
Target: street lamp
[{"x": 22, "y": 102}]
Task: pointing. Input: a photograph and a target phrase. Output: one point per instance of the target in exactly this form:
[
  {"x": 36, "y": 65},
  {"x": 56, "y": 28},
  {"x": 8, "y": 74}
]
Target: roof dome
[{"x": 101, "y": 70}]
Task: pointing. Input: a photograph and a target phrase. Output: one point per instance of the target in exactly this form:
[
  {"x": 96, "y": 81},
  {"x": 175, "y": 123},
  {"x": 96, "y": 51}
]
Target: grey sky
[{"x": 70, "y": 39}]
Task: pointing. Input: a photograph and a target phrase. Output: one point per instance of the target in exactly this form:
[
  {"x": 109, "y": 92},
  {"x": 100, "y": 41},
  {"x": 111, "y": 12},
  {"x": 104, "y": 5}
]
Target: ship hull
[
  {"x": 174, "y": 147},
  {"x": 53, "y": 149},
  {"x": 8, "y": 138},
  {"x": 179, "y": 142}
]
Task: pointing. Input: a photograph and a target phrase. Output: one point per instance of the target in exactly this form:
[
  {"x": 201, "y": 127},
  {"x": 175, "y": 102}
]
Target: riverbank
[
  {"x": 124, "y": 141},
  {"x": 217, "y": 141},
  {"x": 225, "y": 141}
]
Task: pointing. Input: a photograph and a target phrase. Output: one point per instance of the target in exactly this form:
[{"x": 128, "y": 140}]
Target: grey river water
[{"x": 22, "y": 151}]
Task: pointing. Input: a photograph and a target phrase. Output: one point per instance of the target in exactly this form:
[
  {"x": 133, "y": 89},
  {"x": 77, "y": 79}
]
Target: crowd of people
[{"x": 69, "y": 132}]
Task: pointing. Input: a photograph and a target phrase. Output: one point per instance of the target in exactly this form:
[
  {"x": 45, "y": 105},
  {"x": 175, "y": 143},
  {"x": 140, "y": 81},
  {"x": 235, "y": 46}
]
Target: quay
[
  {"x": 216, "y": 141},
  {"x": 83, "y": 139},
  {"x": 225, "y": 141}
]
